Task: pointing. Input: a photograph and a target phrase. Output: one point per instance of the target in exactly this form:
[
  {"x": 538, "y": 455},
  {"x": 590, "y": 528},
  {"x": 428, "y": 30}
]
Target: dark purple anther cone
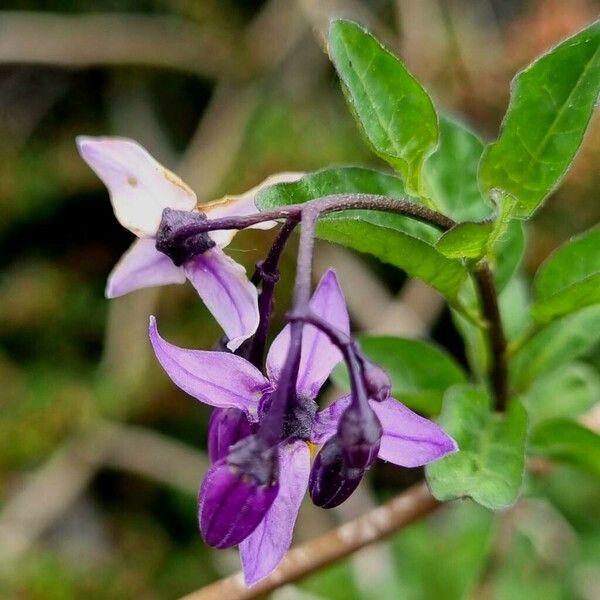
[
  {"x": 359, "y": 435},
  {"x": 331, "y": 481},
  {"x": 175, "y": 236},
  {"x": 226, "y": 427},
  {"x": 377, "y": 382},
  {"x": 237, "y": 492}
]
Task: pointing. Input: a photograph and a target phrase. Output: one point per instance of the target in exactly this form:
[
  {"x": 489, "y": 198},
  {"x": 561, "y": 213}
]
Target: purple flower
[
  {"x": 226, "y": 381},
  {"x": 140, "y": 190}
]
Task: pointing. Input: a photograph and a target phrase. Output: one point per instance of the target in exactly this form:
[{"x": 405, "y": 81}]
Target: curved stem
[
  {"x": 330, "y": 204},
  {"x": 349, "y": 350}
]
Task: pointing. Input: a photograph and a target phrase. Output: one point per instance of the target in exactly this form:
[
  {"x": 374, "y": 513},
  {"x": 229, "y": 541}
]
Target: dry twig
[{"x": 342, "y": 541}]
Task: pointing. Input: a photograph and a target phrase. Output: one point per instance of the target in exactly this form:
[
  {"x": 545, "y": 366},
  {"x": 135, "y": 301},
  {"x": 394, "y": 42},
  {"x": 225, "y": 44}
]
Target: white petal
[
  {"x": 139, "y": 186},
  {"x": 242, "y": 205}
]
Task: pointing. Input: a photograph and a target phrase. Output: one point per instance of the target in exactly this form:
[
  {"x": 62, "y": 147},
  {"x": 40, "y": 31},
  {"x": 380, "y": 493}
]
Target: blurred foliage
[{"x": 130, "y": 538}]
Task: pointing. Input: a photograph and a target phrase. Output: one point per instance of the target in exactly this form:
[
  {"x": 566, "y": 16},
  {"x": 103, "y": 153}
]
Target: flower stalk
[{"x": 267, "y": 272}]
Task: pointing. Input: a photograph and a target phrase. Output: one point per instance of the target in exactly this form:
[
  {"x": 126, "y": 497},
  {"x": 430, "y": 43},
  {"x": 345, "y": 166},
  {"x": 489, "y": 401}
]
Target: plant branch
[
  {"x": 377, "y": 524},
  {"x": 325, "y": 205},
  {"x": 484, "y": 279}
]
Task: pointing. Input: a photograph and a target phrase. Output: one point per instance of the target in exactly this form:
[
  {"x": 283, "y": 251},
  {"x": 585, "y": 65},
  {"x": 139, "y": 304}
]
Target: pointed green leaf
[
  {"x": 394, "y": 239},
  {"x": 567, "y": 441},
  {"x": 556, "y": 344},
  {"x": 570, "y": 278},
  {"x": 420, "y": 371},
  {"x": 490, "y": 463},
  {"x": 550, "y": 107},
  {"x": 394, "y": 112},
  {"x": 451, "y": 173}
]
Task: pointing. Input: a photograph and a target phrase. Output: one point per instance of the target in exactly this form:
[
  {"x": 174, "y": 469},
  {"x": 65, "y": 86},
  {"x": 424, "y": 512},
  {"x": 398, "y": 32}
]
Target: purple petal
[
  {"x": 227, "y": 292},
  {"x": 231, "y": 506},
  {"x": 140, "y": 267},
  {"x": 219, "y": 379},
  {"x": 410, "y": 440},
  {"x": 139, "y": 186},
  {"x": 319, "y": 355},
  {"x": 326, "y": 420},
  {"x": 226, "y": 427},
  {"x": 263, "y": 550}
]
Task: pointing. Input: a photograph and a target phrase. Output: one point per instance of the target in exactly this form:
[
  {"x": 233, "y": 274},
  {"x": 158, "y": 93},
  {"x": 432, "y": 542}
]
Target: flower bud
[
  {"x": 175, "y": 236},
  {"x": 331, "y": 481},
  {"x": 226, "y": 427},
  {"x": 359, "y": 434},
  {"x": 237, "y": 493},
  {"x": 377, "y": 382}
]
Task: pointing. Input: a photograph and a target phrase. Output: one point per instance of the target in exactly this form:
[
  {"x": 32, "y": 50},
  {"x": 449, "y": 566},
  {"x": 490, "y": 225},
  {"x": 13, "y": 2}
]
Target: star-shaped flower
[
  {"x": 251, "y": 495},
  {"x": 140, "y": 190}
]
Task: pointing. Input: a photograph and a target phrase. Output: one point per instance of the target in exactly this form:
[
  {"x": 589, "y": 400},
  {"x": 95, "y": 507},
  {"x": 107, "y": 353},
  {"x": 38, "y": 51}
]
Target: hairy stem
[
  {"x": 484, "y": 279},
  {"x": 329, "y": 204},
  {"x": 349, "y": 350},
  {"x": 267, "y": 271}
]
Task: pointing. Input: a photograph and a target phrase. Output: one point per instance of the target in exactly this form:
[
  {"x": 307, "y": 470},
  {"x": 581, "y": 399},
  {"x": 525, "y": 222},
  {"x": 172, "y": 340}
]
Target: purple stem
[
  {"x": 267, "y": 271},
  {"x": 329, "y": 204},
  {"x": 349, "y": 350},
  {"x": 271, "y": 427}
]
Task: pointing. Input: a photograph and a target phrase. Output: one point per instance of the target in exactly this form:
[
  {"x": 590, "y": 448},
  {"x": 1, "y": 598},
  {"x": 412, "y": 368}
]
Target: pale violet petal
[
  {"x": 241, "y": 206},
  {"x": 219, "y": 379},
  {"x": 410, "y": 440},
  {"x": 227, "y": 292},
  {"x": 319, "y": 355},
  {"x": 142, "y": 266},
  {"x": 139, "y": 186},
  {"x": 263, "y": 550}
]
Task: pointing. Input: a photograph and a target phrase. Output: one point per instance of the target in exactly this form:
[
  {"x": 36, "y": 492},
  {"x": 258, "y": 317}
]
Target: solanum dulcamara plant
[{"x": 450, "y": 213}]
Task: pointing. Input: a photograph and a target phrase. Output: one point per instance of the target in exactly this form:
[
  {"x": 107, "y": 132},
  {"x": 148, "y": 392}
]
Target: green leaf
[
  {"x": 567, "y": 392},
  {"x": 420, "y": 371},
  {"x": 394, "y": 239},
  {"x": 570, "y": 277},
  {"x": 556, "y": 344},
  {"x": 567, "y": 441},
  {"x": 466, "y": 240},
  {"x": 451, "y": 173},
  {"x": 490, "y": 463},
  {"x": 395, "y": 113},
  {"x": 551, "y": 104}
]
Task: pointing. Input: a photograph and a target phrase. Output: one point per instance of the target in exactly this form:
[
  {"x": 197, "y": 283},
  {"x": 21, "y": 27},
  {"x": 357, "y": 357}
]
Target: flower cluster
[{"x": 264, "y": 425}]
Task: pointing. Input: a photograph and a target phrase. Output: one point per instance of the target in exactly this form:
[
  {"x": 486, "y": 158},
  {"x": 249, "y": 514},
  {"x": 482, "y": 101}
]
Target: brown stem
[
  {"x": 496, "y": 339},
  {"x": 380, "y": 523}
]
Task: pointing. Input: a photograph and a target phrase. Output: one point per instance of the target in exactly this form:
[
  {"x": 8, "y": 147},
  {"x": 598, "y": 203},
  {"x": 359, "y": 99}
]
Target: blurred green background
[{"x": 100, "y": 455}]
